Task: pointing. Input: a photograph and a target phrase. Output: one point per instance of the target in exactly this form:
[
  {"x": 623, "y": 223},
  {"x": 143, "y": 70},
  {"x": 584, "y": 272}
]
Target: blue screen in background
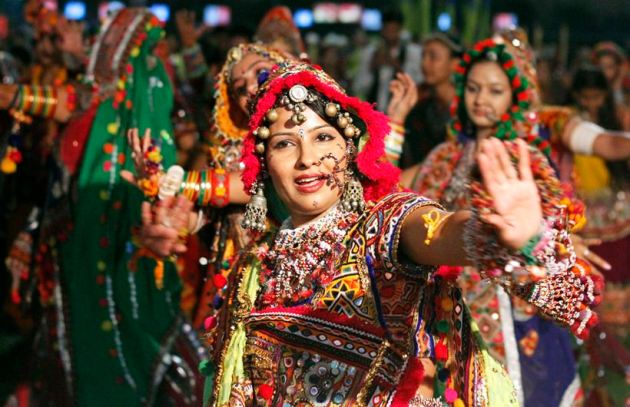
[
  {"x": 74, "y": 10},
  {"x": 161, "y": 11},
  {"x": 371, "y": 20},
  {"x": 303, "y": 18}
]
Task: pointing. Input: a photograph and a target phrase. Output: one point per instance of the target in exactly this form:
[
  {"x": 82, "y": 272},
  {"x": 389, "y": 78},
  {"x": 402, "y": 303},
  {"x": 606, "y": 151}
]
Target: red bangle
[{"x": 220, "y": 188}]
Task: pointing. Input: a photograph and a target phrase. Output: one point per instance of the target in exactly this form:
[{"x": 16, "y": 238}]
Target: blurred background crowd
[{"x": 581, "y": 60}]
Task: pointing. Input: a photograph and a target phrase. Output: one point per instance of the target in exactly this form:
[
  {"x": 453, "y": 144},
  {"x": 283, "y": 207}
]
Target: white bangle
[
  {"x": 199, "y": 224},
  {"x": 583, "y": 137}
]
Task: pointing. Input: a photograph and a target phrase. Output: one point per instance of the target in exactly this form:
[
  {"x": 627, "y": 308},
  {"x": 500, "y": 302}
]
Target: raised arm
[
  {"x": 206, "y": 188},
  {"x": 54, "y": 102},
  {"x": 584, "y": 137},
  {"x": 432, "y": 236},
  {"x": 506, "y": 237}
]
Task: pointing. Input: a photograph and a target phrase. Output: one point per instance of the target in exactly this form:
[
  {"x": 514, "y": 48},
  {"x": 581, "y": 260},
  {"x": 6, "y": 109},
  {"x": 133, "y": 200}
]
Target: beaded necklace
[{"x": 302, "y": 259}]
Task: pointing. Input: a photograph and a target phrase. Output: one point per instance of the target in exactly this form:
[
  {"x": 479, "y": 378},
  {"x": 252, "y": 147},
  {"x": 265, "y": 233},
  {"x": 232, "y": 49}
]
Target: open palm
[{"x": 516, "y": 203}]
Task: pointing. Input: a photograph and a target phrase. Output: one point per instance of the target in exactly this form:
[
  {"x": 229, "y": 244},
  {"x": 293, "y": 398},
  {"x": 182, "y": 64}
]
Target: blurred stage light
[
  {"x": 444, "y": 22},
  {"x": 372, "y": 19},
  {"x": 303, "y": 18},
  {"x": 161, "y": 11},
  {"x": 74, "y": 10}
]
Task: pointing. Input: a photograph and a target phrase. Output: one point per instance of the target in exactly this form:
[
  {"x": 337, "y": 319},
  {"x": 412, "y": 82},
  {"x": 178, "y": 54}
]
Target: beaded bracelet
[{"x": 513, "y": 267}]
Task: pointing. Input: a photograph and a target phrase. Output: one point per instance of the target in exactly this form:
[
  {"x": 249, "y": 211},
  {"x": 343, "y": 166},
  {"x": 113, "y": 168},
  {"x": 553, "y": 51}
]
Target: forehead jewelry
[{"x": 301, "y": 133}]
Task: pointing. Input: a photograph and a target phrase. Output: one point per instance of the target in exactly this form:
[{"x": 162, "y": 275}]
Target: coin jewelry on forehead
[{"x": 298, "y": 93}]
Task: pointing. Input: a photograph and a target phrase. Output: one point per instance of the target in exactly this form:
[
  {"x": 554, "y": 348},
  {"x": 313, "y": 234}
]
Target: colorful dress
[
  {"x": 350, "y": 320},
  {"x": 516, "y": 336},
  {"x": 111, "y": 332}
]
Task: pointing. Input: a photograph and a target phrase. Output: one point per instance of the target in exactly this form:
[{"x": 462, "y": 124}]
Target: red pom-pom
[
  {"x": 593, "y": 320},
  {"x": 522, "y": 96},
  {"x": 449, "y": 272},
  {"x": 16, "y": 156},
  {"x": 219, "y": 281},
  {"x": 441, "y": 351},
  {"x": 265, "y": 391},
  {"x": 210, "y": 323}
]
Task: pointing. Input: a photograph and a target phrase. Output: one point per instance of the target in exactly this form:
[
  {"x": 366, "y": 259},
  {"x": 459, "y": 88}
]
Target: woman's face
[
  {"x": 437, "y": 63},
  {"x": 591, "y": 100},
  {"x": 244, "y": 76},
  {"x": 306, "y": 164},
  {"x": 487, "y": 95},
  {"x": 610, "y": 67}
]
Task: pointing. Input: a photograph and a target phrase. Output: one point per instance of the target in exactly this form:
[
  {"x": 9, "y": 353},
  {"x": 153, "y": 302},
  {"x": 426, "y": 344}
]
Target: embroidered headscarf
[
  {"x": 223, "y": 113},
  {"x": 379, "y": 176},
  {"x": 522, "y": 82}
]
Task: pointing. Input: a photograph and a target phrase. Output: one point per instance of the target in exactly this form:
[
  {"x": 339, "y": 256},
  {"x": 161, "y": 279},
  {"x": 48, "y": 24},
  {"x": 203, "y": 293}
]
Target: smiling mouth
[{"x": 310, "y": 183}]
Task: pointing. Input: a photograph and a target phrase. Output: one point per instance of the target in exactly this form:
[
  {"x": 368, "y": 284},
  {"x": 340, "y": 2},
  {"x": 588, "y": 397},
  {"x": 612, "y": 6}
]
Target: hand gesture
[
  {"x": 71, "y": 36},
  {"x": 139, "y": 149},
  {"x": 581, "y": 246},
  {"x": 517, "y": 212},
  {"x": 165, "y": 225},
  {"x": 404, "y": 97},
  {"x": 188, "y": 32}
]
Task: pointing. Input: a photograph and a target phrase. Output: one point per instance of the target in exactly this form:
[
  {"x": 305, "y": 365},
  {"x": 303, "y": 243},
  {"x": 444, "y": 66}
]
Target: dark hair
[
  {"x": 462, "y": 114},
  {"x": 592, "y": 77},
  {"x": 319, "y": 107},
  {"x": 393, "y": 15},
  {"x": 619, "y": 59}
]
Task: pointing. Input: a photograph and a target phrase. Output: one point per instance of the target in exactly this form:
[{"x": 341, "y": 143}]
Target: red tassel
[
  {"x": 265, "y": 391},
  {"x": 74, "y": 139},
  {"x": 449, "y": 272},
  {"x": 409, "y": 383}
]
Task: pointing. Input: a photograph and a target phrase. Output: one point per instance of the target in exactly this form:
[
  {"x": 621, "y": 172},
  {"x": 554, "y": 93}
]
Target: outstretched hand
[
  {"x": 71, "y": 36},
  {"x": 517, "y": 211},
  {"x": 189, "y": 33},
  {"x": 404, "y": 97}
]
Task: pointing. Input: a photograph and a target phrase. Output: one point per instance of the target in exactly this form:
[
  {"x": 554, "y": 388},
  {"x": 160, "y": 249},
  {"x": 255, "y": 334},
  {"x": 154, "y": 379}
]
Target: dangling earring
[
  {"x": 352, "y": 197},
  {"x": 256, "y": 210}
]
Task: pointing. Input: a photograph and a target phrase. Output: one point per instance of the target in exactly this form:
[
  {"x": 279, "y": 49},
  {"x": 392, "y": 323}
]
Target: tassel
[{"x": 409, "y": 383}]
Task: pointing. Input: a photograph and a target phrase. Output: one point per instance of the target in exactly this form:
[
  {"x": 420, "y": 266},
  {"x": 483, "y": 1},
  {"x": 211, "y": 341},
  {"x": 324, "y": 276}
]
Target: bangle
[
  {"x": 221, "y": 189},
  {"x": 583, "y": 137},
  {"x": 199, "y": 224},
  {"x": 190, "y": 187},
  {"x": 397, "y": 127},
  {"x": 534, "y": 248},
  {"x": 36, "y": 100},
  {"x": 26, "y": 100},
  {"x": 206, "y": 187}
]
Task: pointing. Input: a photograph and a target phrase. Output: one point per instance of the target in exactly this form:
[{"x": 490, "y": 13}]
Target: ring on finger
[{"x": 167, "y": 223}]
